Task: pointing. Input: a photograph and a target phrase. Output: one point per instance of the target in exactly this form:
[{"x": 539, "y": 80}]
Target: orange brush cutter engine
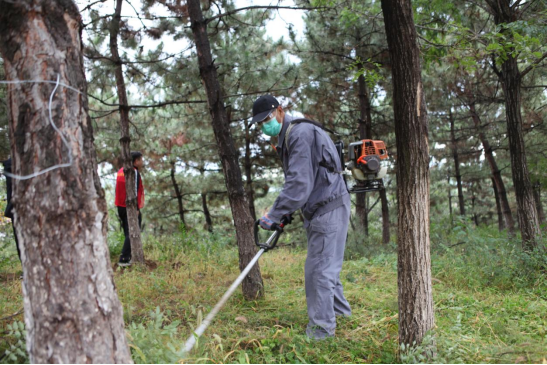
[{"x": 365, "y": 164}]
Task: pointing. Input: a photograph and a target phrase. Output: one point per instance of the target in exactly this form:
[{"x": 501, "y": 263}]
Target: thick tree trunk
[
  {"x": 496, "y": 173},
  {"x": 457, "y": 165},
  {"x": 501, "y": 220},
  {"x": 208, "y": 220},
  {"x": 528, "y": 220},
  {"x": 365, "y": 132},
  {"x": 137, "y": 253},
  {"x": 252, "y": 285},
  {"x": 416, "y": 315},
  {"x": 249, "y": 172},
  {"x": 510, "y": 78},
  {"x": 72, "y": 311},
  {"x": 539, "y": 206},
  {"x": 178, "y": 194}
]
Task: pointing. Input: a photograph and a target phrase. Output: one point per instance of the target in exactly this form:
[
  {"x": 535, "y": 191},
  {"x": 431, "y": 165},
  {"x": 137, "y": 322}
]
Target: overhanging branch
[
  {"x": 269, "y": 7},
  {"x": 531, "y": 67}
]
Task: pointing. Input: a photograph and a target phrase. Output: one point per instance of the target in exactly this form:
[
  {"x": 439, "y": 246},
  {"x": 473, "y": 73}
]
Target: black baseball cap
[{"x": 263, "y": 106}]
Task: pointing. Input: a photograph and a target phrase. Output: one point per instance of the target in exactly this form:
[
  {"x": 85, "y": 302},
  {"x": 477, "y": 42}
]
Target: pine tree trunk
[
  {"x": 475, "y": 218},
  {"x": 539, "y": 206},
  {"x": 416, "y": 315},
  {"x": 178, "y": 194},
  {"x": 501, "y": 220},
  {"x": 457, "y": 165},
  {"x": 450, "y": 202},
  {"x": 365, "y": 132},
  {"x": 510, "y": 78},
  {"x": 249, "y": 172},
  {"x": 385, "y": 217},
  {"x": 72, "y": 311},
  {"x": 137, "y": 253},
  {"x": 208, "y": 220},
  {"x": 252, "y": 285},
  {"x": 528, "y": 220},
  {"x": 496, "y": 173}
]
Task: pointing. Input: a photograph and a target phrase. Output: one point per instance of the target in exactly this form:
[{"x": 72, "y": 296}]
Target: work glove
[
  {"x": 267, "y": 224},
  {"x": 286, "y": 219}
]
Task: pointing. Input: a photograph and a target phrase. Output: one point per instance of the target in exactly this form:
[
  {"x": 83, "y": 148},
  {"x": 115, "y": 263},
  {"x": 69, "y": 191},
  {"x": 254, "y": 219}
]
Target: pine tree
[
  {"x": 416, "y": 315},
  {"x": 60, "y": 215}
]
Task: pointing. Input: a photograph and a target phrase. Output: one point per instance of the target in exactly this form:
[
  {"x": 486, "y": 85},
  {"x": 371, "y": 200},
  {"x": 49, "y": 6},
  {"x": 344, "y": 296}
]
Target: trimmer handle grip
[{"x": 277, "y": 228}]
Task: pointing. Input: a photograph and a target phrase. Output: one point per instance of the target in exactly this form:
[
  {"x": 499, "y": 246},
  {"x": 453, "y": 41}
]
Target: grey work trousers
[{"x": 327, "y": 235}]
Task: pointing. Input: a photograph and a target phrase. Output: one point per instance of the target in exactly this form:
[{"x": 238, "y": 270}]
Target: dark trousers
[
  {"x": 126, "y": 250},
  {"x": 16, "y": 241}
]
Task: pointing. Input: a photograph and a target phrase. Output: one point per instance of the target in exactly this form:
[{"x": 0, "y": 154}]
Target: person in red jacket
[{"x": 125, "y": 258}]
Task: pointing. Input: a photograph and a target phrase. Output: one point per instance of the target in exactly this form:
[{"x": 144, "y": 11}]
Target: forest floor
[{"x": 489, "y": 307}]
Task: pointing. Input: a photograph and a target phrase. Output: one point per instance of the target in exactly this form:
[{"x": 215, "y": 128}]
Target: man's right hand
[{"x": 286, "y": 219}]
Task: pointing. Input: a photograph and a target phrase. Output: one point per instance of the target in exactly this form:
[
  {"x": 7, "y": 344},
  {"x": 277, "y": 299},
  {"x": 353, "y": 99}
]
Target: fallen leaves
[{"x": 241, "y": 319}]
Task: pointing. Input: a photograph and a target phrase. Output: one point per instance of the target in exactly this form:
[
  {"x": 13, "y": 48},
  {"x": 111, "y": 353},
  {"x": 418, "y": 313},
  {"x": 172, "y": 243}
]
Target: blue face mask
[{"x": 271, "y": 128}]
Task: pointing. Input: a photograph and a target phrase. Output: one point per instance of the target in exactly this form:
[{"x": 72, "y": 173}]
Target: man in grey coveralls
[{"x": 313, "y": 183}]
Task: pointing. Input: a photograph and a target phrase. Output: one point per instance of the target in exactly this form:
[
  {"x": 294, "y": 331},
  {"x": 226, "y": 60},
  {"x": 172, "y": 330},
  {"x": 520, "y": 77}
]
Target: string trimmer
[{"x": 268, "y": 245}]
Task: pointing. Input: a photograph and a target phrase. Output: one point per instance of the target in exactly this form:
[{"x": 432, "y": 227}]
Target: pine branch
[
  {"x": 137, "y": 13},
  {"x": 531, "y": 67},
  {"x": 269, "y": 7},
  {"x": 170, "y": 102},
  {"x": 90, "y": 5},
  {"x": 139, "y": 62}
]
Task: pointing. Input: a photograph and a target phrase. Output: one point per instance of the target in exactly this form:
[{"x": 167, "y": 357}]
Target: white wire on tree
[{"x": 63, "y": 138}]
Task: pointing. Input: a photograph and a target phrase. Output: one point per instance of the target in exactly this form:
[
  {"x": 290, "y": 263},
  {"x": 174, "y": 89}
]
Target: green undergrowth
[{"x": 490, "y": 302}]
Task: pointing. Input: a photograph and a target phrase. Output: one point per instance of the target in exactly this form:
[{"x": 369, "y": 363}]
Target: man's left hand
[{"x": 267, "y": 224}]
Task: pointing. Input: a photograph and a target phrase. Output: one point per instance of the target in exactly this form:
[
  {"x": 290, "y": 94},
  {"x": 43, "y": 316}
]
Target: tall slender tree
[
  {"x": 506, "y": 12},
  {"x": 456, "y": 156},
  {"x": 365, "y": 132},
  {"x": 252, "y": 285},
  {"x": 416, "y": 315},
  {"x": 501, "y": 220},
  {"x": 500, "y": 191},
  {"x": 178, "y": 194},
  {"x": 334, "y": 44},
  {"x": 72, "y": 312},
  {"x": 137, "y": 253}
]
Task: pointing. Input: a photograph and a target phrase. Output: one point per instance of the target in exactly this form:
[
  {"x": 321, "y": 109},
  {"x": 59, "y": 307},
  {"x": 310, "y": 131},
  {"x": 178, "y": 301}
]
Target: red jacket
[{"x": 120, "y": 189}]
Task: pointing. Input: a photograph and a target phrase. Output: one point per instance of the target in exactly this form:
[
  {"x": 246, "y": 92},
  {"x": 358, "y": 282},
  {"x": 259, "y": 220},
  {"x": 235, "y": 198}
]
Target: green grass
[{"x": 490, "y": 303}]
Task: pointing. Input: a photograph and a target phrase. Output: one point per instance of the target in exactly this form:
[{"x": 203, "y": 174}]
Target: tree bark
[
  {"x": 496, "y": 173},
  {"x": 72, "y": 311},
  {"x": 178, "y": 194},
  {"x": 249, "y": 172},
  {"x": 208, "y": 220},
  {"x": 501, "y": 220},
  {"x": 385, "y": 217},
  {"x": 475, "y": 217},
  {"x": 539, "y": 206},
  {"x": 137, "y": 253},
  {"x": 450, "y": 201},
  {"x": 252, "y": 285},
  {"x": 457, "y": 165},
  {"x": 416, "y": 315},
  {"x": 510, "y": 78},
  {"x": 365, "y": 132}
]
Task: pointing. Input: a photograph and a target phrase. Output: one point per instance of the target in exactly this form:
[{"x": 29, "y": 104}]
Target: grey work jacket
[{"x": 308, "y": 186}]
